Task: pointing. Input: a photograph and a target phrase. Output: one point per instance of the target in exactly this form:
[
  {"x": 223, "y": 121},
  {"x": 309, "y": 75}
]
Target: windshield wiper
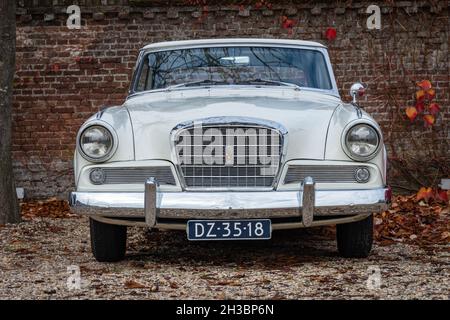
[
  {"x": 269, "y": 82},
  {"x": 195, "y": 83}
]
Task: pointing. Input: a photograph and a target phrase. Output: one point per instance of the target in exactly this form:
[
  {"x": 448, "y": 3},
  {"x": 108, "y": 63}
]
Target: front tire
[
  {"x": 354, "y": 240},
  {"x": 108, "y": 241}
]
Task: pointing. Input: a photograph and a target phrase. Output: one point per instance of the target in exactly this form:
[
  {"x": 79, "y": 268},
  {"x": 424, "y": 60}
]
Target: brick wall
[{"x": 64, "y": 76}]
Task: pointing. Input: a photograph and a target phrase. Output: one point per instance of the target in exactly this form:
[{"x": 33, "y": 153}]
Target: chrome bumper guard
[{"x": 306, "y": 203}]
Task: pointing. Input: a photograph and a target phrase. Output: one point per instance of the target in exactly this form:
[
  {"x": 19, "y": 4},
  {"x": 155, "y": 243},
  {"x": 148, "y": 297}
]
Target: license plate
[{"x": 229, "y": 229}]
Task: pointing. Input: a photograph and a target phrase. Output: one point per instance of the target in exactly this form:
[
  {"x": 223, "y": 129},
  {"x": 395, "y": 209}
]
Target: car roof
[{"x": 230, "y": 41}]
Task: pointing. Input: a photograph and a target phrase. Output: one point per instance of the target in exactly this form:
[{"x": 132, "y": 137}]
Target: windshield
[{"x": 233, "y": 65}]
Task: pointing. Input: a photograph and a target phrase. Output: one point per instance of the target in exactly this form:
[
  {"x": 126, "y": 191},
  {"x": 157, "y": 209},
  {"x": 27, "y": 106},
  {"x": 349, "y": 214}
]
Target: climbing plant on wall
[{"x": 424, "y": 104}]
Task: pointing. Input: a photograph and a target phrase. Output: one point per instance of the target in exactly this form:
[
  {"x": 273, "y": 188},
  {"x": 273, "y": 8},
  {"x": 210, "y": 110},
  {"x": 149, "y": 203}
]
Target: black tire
[
  {"x": 354, "y": 240},
  {"x": 108, "y": 241}
]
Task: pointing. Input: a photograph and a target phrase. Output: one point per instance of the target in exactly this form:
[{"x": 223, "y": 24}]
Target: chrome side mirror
[{"x": 357, "y": 89}]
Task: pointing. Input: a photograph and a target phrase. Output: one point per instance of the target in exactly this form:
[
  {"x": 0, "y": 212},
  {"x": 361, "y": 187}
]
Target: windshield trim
[
  {"x": 233, "y": 87},
  {"x": 143, "y": 52}
]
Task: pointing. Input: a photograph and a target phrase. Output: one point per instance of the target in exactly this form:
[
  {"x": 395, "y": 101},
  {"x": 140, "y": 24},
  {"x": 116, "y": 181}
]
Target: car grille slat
[
  {"x": 321, "y": 174},
  {"x": 253, "y": 165},
  {"x": 138, "y": 175}
]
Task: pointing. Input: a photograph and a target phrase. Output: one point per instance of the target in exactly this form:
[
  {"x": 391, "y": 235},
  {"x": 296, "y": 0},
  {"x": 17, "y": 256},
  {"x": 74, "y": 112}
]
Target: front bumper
[{"x": 305, "y": 207}]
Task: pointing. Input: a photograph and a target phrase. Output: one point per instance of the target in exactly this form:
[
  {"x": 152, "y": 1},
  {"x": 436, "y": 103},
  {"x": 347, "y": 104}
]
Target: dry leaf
[
  {"x": 445, "y": 235},
  {"x": 425, "y": 85},
  {"x": 411, "y": 113},
  {"x": 131, "y": 284}
]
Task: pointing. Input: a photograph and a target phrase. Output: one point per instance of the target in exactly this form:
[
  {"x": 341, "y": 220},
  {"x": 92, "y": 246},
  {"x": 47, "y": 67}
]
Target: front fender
[
  {"x": 343, "y": 116},
  {"x": 118, "y": 119}
]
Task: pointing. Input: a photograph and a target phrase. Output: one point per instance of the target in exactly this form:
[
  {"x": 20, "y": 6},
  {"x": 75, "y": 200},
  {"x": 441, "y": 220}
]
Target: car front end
[{"x": 254, "y": 156}]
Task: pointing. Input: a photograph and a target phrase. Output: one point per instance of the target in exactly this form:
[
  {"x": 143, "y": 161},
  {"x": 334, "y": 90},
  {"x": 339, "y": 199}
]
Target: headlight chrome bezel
[
  {"x": 347, "y": 150},
  {"x": 114, "y": 141}
]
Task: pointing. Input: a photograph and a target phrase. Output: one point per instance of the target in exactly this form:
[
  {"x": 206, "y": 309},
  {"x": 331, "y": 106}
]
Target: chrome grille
[
  {"x": 138, "y": 175},
  {"x": 240, "y": 158},
  {"x": 324, "y": 174}
]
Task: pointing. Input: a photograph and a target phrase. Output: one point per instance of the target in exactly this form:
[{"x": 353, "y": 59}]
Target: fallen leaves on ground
[
  {"x": 51, "y": 208},
  {"x": 225, "y": 270},
  {"x": 412, "y": 220}
]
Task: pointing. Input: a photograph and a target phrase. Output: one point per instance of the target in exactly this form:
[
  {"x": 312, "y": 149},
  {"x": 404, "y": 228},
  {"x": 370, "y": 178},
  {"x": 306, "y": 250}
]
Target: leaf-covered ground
[
  {"x": 412, "y": 253},
  {"x": 411, "y": 221}
]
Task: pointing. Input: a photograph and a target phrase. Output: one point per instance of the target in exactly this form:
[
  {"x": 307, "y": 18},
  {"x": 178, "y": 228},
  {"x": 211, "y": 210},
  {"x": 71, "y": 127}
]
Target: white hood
[{"x": 305, "y": 114}]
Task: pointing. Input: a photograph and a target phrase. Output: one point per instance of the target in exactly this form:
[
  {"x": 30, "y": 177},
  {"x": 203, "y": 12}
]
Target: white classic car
[{"x": 230, "y": 139}]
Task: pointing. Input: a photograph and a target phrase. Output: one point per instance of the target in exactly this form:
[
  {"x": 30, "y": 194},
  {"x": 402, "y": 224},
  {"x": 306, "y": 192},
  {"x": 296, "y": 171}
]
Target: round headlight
[
  {"x": 362, "y": 142},
  {"x": 96, "y": 143}
]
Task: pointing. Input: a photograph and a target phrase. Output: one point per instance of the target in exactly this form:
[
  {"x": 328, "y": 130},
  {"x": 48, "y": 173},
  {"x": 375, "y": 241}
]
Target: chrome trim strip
[
  {"x": 228, "y": 204},
  {"x": 233, "y": 86},
  {"x": 319, "y": 223},
  {"x": 308, "y": 201},
  {"x": 295, "y": 173},
  {"x": 275, "y": 226},
  {"x": 150, "y": 201},
  {"x": 232, "y": 121},
  {"x": 136, "y": 174},
  {"x": 208, "y": 42}
]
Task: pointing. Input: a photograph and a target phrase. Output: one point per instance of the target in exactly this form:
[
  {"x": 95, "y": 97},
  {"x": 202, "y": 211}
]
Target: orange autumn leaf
[
  {"x": 425, "y": 85},
  {"x": 431, "y": 94},
  {"x": 434, "y": 108},
  {"x": 424, "y": 194},
  {"x": 420, "y": 95},
  {"x": 429, "y": 120},
  {"x": 411, "y": 113}
]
